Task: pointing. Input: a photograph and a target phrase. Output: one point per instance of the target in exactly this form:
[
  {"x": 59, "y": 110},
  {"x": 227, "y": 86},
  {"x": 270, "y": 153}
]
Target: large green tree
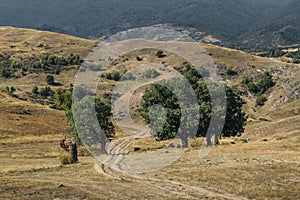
[
  {"x": 90, "y": 120},
  {"x": 158, "y": 93}
]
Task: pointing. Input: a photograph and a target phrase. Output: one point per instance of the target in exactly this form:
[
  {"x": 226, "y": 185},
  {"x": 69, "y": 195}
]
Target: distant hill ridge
[{"x": 240, "y": 24}]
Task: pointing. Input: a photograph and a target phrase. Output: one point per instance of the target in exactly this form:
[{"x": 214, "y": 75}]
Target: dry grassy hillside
[
  {"x": 20, "y": 43},
  {"x": 23, "y": 45},
  {"x": 28, "y": 131},
  {"x": 264, "y": 167},
  {"x": 279, "y": 117}
]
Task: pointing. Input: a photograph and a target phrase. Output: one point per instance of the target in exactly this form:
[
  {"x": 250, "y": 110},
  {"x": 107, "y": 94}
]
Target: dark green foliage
[
  {"x": 50, "y": 79},
  {"x": 158, "y": 94},
  {"x": 46, "y": 92},
  {"x": 230, "y": 72},
  {"x": 151, "y": 73},
  {"x": 265, "y": 83},
  {"x": 261, "y": 99},
  {"x": 60, "y": 97},
  {"x": 160, "y": 54},
  {"x": 278, "y": 52},
  {"x": 35, "y": 90},
  {"x": 63, "y": 99},
  {"x": 237, "y": 23},
  {"x": 273, "y": 52},
  {"x": 280, "y": 28},
  {"x": 252, "y": 87},
  {"x": 295, "y": 55},
  {"x": 9, "y": 90},
  {"x": 262, "y": 85},
  {"x": 235, "y": 118},
  {"x": 246, "y": 80},
  {"x": 116, "y": 76},
  {"x": 48, "y": 64},
  {"x": 86, "y": 127},
  {"x": 8, "y": 67}
]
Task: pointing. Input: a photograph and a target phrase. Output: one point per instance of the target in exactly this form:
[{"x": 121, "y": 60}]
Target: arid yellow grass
[{"x": 263, "y": 165}]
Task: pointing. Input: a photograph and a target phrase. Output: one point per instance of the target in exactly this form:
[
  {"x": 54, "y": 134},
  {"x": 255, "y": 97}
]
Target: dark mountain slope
[
  {"x": 280, "y": 29},
  {"x": 226, "y": 20}
]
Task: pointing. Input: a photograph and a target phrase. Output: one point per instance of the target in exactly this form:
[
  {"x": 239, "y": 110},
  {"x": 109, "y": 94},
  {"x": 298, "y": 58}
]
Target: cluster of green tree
[
  {"x": 44, "y": 92},
  {"x": 9, "y": 90},
  {"x": 295, "y": 55},
  {"x": 151, "y": 73},
  {"x": 273, "y": 52},
  {"x": 278, "y": 52},
  {"x": 82, "y": 108},
  {"x": 82, "y": 111},
  {"x": 63, "y": 99},
  {"x": 8, "y": 68},
  {"x": 114, "y": 75},
  {"x": 49, "y": 64},
  {"x": 159, "y": 94},
  {"x": 260, "y": 87}
]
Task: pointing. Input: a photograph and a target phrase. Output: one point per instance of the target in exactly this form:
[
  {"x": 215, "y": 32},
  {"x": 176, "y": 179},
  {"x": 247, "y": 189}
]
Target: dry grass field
[{"x": 264, "y": 163}]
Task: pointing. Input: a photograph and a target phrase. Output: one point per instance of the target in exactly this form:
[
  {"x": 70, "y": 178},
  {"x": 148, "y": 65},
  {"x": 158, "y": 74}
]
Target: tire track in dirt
[
  {"x": 173, "y": 187},
  {"x": 118, "y": 149}
]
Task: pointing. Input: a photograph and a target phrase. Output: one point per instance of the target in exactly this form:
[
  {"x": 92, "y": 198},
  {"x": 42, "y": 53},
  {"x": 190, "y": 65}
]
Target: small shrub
[
  {"x": 113, "y": 76},
  {"x": 160, "y": 54},
  {"x": 246, "y": 80},
  {"x": 45, "y": 92},
  {"x": 260, "y": 101},
  {"x": 35, "y": 90},
  {"x": 50, "y": 79},
  {"x": 230, "y": 72},
  {"x": 65, "y": 159}
]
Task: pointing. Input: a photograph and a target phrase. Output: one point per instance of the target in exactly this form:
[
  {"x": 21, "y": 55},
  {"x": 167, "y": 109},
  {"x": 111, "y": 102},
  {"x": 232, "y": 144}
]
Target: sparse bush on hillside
[
  {"x": 265, "y": 83},
  {"x": 160, "y": 54},
  {"x": 262, "y": 85},
  {"x": 8, "y": 67},
  {"x": 35, "y": 90},
  {"x": 9, "y": 90},
  {"x": 246, "y": 80},
  {"x": 50, "y": 79},
  {"x": 116, "y": 76},
  {"x": 230, "y": 72},
  {"x": 46, "y": 92},
  {"x": 261, "y": 99},
  {"x": 48, "y": 64}
]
